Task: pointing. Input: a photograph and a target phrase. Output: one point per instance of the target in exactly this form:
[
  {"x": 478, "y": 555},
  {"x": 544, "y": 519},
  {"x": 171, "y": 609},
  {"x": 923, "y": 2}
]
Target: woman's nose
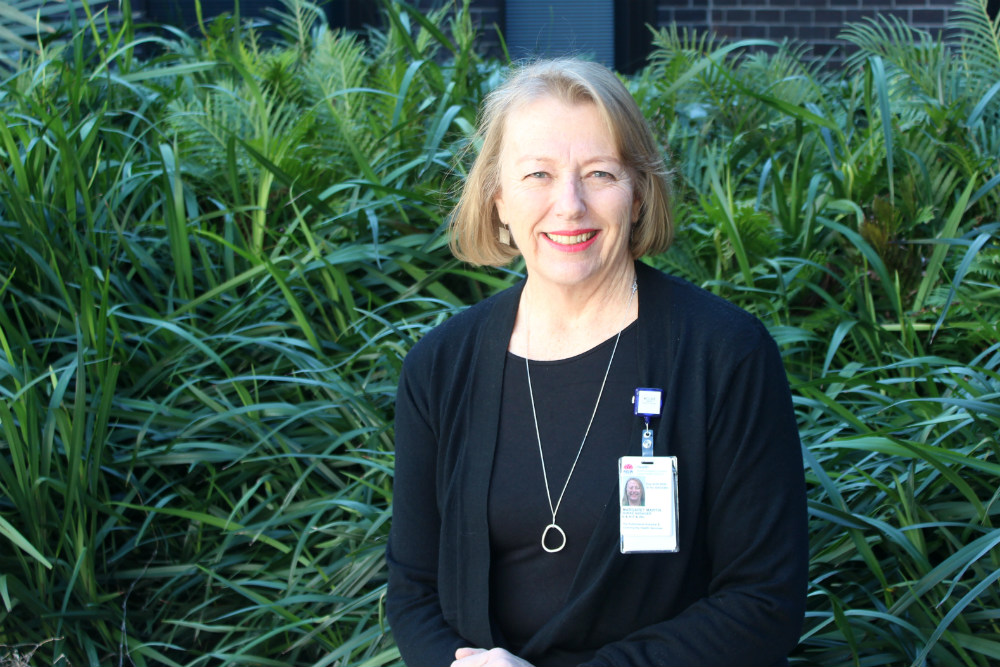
[{"x": 570, "y": 202}]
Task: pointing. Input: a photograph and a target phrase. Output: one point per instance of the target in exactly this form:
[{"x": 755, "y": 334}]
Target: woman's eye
[
  {"x": 537, "y": 174},
  {"x": 602, "y": 174}
]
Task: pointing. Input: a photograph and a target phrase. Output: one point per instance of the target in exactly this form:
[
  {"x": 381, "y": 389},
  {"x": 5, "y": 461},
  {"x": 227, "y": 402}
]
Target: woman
[
  {"x": 635, "y": 494},
  {"x": 512, "y": 416}
]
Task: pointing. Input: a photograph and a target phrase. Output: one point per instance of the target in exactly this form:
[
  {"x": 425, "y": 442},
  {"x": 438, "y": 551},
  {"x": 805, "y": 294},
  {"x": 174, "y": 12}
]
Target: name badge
[{"x": 648, "y": 514}]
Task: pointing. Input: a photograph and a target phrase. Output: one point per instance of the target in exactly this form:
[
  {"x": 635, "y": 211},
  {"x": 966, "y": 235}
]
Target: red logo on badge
[{"x": 627, "y": 466}]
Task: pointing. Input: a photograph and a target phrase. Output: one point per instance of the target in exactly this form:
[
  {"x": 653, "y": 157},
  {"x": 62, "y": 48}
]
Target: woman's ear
[{"x": 501, "y": 207}]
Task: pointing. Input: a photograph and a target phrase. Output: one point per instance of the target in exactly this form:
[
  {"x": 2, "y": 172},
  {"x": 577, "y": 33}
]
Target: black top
[
  {"x": 734, "y": 592},
  {"x": 528, "y": 585}
]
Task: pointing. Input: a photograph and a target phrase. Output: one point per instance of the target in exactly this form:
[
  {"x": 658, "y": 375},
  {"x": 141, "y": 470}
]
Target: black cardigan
[{"x": 733, "y": 594}]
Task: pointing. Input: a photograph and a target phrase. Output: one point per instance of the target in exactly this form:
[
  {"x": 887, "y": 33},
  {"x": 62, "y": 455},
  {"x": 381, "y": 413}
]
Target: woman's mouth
[{"x": 570, "y": 239}]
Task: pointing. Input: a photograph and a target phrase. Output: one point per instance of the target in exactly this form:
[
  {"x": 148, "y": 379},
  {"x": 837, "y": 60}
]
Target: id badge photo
[{"x": 648, "y": 513}]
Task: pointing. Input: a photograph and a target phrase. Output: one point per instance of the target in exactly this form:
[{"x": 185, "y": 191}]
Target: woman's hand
[{"x": 495, "y": 657}]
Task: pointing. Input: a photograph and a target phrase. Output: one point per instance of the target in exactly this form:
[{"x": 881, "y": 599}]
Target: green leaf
[{"x": 8, "y": 531}]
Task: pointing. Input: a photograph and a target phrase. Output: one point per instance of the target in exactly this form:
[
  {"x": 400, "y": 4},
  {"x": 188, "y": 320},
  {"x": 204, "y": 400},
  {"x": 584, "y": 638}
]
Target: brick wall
[
  {"x": 488, "y": 16},
  {"x": 815, "y": 22}
]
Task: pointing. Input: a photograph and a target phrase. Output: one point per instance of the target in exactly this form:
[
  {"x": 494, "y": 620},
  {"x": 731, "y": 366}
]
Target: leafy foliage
[
  {"x": 878, "y": 281},
  {"x": 214, "y": 264},
  {"x": 215, "y": 259}
]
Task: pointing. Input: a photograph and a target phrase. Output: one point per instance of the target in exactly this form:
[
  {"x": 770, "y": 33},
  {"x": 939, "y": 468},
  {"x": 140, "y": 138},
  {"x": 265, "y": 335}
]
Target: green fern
[
  {"x": 297, "y": 22},
  {"x": 986, "y": 266},
  {"x": 980, "y": 49},
  {"x": 979, "y": 36},
  {"x": 336, "y": 66},
  {"x": 917, "y": 60},
  {"x": 677, "y": 48}
]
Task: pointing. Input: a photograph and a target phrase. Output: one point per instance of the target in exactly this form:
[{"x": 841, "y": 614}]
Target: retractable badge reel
[
  {"x": 647, "y": 403},
  {"x": 648, "y": 487}
]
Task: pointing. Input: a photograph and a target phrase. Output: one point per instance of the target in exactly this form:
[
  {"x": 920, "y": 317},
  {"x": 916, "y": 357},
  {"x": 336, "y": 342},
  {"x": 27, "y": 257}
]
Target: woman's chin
[{"x": 571, "y": 272}]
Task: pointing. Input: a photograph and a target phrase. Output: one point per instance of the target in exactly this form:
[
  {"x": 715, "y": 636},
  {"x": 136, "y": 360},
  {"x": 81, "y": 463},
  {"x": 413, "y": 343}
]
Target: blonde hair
[{"x": 475, "y": 222}]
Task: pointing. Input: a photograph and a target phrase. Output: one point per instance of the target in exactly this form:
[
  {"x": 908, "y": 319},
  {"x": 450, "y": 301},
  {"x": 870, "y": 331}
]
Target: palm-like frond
[
  {"x": 335, "y": 80},
  {"x": 678, "y": 46},
  {"x": 297, "y": 22},
  {"x": 979, "y": 36},
  {"x": 912, "y": 50},
  {"x": 979, "y": 39}
]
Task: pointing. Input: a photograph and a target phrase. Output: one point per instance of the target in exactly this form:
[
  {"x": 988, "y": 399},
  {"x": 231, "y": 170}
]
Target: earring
[{"x": 503, "y": 234}]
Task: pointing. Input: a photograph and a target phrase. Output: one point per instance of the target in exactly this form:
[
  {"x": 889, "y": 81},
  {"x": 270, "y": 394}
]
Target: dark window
[
  {"x": 350, "y": 14},
  {"x": 551, "y": 28},
  {"x": 633, "y": 39},
  {"x": 353, "y": 15}
]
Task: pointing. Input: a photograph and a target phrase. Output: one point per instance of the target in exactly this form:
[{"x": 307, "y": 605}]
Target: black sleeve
[
  {"x": 423, "y": 635},
  {"x": 757, "y": 537}
]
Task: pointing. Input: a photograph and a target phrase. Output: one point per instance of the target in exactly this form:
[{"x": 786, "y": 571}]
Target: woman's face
[
  {"x": 565, "y": 193},
  {"x": 633, "y": 489}
]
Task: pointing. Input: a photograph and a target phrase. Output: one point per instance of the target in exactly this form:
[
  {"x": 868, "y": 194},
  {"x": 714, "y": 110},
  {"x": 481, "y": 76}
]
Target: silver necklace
[{"x": 531, "y": 394}]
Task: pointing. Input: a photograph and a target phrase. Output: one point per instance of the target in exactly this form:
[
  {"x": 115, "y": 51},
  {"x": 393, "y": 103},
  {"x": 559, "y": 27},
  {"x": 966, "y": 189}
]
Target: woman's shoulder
[
  {"x": 693, "y": 314},
  {"x": 680, "y": 297},
  {"x": 459, "y": 335}
]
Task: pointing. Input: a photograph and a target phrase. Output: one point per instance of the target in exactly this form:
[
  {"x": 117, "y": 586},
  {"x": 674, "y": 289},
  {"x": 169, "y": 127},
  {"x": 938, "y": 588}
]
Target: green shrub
[
  {"x": 858, "y": 216},
  {"x": 213, "y": 264},
  {"x": 215, "y": 259}
]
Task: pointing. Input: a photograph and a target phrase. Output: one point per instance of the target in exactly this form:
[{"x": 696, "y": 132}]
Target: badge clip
[{"x": 647, "y": 403}]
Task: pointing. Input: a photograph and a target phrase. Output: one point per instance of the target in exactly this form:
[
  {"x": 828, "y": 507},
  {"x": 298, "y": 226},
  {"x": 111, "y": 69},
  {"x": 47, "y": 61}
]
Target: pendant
[{"x": 545, "y": 533}]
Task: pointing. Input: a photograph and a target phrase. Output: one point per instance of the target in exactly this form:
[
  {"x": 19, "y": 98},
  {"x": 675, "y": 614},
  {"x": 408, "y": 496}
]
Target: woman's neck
[{"x": 557, "y": 323}]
